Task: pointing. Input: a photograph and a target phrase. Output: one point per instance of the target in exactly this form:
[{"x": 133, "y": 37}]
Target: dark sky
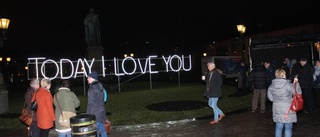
[{"x": 54, "y": 28}]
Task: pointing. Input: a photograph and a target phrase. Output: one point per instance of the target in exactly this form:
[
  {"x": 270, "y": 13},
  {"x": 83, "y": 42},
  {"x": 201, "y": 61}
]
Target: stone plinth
[{"x": 96, "y": 52}]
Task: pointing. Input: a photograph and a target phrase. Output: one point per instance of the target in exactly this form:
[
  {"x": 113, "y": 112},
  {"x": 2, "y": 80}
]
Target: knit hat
[{"x": 93, "y": 75}]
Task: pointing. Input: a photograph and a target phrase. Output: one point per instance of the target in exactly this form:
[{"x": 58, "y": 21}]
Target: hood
[{"x": 279, "y": 82}]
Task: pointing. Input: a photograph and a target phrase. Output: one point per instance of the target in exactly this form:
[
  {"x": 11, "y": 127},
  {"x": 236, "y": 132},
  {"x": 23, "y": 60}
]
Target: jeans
[
  {"x": 287, "y": 129},
  {"x": 64, "y": 134},
  {"x": 216, "y": 110},
  {"x": 101, "y": 130}
]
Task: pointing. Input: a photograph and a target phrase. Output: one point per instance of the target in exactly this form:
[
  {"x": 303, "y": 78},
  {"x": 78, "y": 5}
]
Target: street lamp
[
  {"x": 4, "y": 105},
  {"x": 4, "y": 24},
  {"x": 204, "y": 54},
  {"x": 317, "y": 46},
  {"x": 242, "y": 29}
]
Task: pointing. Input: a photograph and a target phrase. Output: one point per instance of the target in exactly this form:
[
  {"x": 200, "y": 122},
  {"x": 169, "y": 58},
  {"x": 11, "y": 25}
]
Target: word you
[{"x": 65, "y": 68}]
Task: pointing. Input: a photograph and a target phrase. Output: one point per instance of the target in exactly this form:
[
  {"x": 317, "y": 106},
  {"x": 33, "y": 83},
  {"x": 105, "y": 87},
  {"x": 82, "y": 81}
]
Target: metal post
[
  {"x": 179, "y": 78},
  {"x": 242, "y": 46},
  {"x": 119, "y": 83},
  {"x": 150, "y": 80},
  {"x": 84, "y": 85}
]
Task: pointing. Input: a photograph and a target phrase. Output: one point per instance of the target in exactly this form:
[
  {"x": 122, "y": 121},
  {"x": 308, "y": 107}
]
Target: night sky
[{"x": 53, "y": 29}]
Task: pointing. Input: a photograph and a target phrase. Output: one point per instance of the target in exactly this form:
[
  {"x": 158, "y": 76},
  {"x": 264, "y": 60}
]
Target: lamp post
[
  {"x": 242, "y": 29},
  {"x": 317, "y": 46},
  {"x": 4, "y": 105}
]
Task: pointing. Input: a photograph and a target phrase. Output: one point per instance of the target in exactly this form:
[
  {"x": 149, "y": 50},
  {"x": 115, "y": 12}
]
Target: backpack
[{"x": 105, "y": 95}]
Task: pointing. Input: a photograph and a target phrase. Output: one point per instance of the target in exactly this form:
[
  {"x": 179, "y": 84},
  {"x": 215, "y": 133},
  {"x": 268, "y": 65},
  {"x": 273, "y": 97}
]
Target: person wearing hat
[{"x": 96, "y": 103}]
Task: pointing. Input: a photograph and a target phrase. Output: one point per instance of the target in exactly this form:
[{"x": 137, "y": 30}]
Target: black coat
[
  {"x": 213, "y": 85},
  {"x": 259, "y": 78},
  {"x": 96, "y": 104},
  {"x": 305, "y": 76}
]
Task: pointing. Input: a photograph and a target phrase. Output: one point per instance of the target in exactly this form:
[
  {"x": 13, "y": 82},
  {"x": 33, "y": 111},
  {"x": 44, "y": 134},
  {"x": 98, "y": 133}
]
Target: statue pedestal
[
  {"x": 4, "y": 105},
  {"x": 4, "y": 99},
  {"x": 96, "y": 52}
]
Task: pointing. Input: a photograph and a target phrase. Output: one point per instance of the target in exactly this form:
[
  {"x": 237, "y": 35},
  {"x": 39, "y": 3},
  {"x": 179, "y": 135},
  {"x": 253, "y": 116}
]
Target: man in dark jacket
[
  {"x": 242, "y": 77},
  {"x": 96, "y": 104},
  {"x": 305, "y": 77},
  {"x": 259, "y": 79},
  {"x": 270, "y": 72},
  {"x": 213, "y": 91}
]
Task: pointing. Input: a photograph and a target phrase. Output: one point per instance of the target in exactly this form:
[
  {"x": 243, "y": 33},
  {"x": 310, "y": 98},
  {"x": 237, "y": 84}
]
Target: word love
[{"x": 66, "y": 69}]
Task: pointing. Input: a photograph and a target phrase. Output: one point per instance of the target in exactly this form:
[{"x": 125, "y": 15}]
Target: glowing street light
[
  {"x": 4, "y": 25},
  {"x": 204, "y": 54},
  {"x": 8, "y": 59},
  {"x": 242, "y": 29}
]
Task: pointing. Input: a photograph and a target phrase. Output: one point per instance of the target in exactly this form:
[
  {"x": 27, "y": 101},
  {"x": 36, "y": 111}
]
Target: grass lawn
[{"x": 129, "y": 106}]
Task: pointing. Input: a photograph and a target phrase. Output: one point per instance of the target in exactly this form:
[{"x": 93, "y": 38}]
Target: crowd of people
[
  {"x": 274, "y": 84},
  {"x": 50, "y": 106}
]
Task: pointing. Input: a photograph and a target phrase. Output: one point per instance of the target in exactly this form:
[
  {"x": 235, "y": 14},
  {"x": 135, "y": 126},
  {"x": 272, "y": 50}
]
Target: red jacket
[{"x": 45, "y": 112}]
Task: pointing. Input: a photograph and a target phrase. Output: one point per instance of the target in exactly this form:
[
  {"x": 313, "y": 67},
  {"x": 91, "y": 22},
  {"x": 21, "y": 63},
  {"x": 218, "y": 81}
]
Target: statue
[{"x": 92, "y": 29}]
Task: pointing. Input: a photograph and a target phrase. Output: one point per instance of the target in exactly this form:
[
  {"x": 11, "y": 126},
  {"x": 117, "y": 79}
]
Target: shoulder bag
[
  {"x": 64, "y": 117},
  {"x": 25, "y": 118}
]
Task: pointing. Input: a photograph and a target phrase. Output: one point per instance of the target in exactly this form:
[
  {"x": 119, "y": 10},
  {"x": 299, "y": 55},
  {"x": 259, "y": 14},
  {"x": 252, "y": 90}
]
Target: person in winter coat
[
  {"x": 64, "y": 100},
  {"x": 259, "y": 79},
  {"x": 34, "y": 86},
  {"x": 305, "y": 77},
  {"x": 96, "y": 103},
  {"x": 45, "y": 111},
  {"x": 316, "y": 84},
  {"x": 242, "y": 77},
  {"x": 280, "y": 92},
  {"x": 213, "y": 91}
]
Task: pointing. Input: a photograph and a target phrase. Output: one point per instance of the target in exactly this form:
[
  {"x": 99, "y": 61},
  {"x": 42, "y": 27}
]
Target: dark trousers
[
  {"x": 34, "y": 130},
  {"x": 308, "y": 98},
  {"x": 44, "y": 132},
  {"x": 317, "y": 99}
]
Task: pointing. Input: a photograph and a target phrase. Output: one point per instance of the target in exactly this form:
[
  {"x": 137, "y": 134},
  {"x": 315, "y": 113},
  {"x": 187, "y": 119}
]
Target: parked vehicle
[{"x": 228, "y": 65}]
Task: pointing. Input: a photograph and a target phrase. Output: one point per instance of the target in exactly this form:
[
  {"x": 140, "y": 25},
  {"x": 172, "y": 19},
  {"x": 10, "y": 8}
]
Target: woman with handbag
[
  {"x": 281, "y": 92},
  {"x": 64, "y": 101},
  {"x": 45, "y": 114},
  {"x": 34, "y": 86}
]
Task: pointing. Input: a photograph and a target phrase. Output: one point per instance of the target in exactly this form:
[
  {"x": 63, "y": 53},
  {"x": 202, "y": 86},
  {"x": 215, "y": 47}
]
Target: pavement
[{"x": 242, "y": 123}]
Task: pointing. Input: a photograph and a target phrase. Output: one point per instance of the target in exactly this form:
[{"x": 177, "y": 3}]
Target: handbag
[
  {"x": 107, "y": 126},
  {"x": 34, "y": 105},
  {"x": 25, "y": 118},
  {"x": 297, "y": 102},
  {"x": 64, "y": 117}
]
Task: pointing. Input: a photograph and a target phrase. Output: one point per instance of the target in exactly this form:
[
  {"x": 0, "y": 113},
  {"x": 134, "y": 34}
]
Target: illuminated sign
[{"x": 65, "y": 68}]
